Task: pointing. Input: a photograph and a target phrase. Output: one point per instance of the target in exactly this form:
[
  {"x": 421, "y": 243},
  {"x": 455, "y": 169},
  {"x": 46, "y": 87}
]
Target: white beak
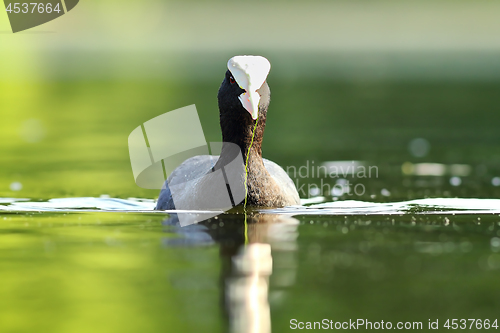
[{"x": 250, "y": 72}]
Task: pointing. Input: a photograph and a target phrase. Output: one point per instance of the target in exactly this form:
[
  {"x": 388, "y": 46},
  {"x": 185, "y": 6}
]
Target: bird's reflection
[
  {"x": 247, "y": 249},
  {"x": 247, "y": 289}
]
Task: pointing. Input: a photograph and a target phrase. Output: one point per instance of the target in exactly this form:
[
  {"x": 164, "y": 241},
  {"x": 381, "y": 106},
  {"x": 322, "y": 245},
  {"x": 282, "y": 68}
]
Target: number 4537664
[
  {"x": 470, "y": 324},
  {"x": 32, "y": 7}
]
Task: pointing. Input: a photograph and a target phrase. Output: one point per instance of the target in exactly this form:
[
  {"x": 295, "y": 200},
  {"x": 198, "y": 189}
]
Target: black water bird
[{"x": 243, "y": 99}]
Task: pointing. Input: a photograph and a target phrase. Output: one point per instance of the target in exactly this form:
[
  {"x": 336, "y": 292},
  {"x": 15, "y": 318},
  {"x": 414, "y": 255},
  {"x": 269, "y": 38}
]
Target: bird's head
[{"x": 245, "y": 86}]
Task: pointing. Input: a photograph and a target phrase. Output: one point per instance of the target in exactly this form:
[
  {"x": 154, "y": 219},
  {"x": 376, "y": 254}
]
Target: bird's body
[
  {"x": 242, "y": 118},
  {"x": 197, "y": 166}
]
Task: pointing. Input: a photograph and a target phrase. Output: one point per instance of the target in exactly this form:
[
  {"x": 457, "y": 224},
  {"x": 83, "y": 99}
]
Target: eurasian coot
[{"x": 244, "y": 98}]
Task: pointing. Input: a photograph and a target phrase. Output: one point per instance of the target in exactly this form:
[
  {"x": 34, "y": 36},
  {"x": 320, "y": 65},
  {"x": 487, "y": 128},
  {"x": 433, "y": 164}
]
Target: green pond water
[{"x": 92, "y": 266}]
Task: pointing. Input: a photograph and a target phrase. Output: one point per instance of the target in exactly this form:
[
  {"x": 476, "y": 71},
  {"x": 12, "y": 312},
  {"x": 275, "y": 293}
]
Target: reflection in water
[
  {"x": 246, "y": 262},
  {"x": 435, "y": 169},
  {"x": 247, "y": 289}
]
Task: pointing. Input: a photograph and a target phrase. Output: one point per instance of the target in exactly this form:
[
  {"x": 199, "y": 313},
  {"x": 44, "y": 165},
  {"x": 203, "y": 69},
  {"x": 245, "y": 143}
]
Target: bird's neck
[
  {"x": 242, "y": 131},
  {"x": 247, "y": 134}
]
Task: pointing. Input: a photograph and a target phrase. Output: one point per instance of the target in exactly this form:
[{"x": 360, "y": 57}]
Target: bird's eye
[{"x": 231, "y": 80}]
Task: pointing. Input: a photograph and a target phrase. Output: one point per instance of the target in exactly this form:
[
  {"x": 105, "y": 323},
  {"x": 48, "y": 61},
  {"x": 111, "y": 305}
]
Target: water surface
[{"x": 106, "y": 264}]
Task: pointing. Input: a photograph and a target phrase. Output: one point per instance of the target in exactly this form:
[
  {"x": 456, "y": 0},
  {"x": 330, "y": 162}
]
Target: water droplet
[
  {"x": 455, "y": 181},
  {"x": 495, "y": 244},
  {"x": 385, "y": 192},
  {"x": 419, "y": 147},
  {"x": 314, "y": 191},
  {"x": 495, "y": 181},
  {"x": 16, "y": 186}
]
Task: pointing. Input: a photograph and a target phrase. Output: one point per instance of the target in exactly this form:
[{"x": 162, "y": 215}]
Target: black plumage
[{"x": 268, "y": 185}]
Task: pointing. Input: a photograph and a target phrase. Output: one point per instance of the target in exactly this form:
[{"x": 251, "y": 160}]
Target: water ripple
[{"x": 348, "y": 207}]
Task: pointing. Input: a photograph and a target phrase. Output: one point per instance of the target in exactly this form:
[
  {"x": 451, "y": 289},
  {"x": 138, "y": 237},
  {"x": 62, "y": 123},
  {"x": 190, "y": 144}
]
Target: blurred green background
[{"x": 349, "y": 80}]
